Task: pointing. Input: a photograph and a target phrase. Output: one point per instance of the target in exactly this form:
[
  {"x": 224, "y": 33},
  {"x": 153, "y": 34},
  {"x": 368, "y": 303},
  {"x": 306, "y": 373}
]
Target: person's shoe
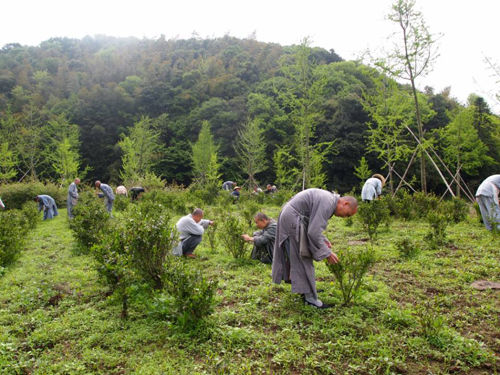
[
  {"x": 323, "y": 306},
  {"x": 320, "y": 290},
  {"x": 190, "y": 256}
]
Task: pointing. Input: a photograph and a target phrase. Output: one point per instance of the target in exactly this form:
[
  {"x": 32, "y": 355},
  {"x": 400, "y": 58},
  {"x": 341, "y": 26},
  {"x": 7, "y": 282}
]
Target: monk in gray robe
[
  {"x": 487, "y": 198},
  {"x": 109, "y": 197},
  {"x": 48, "y": 205},
  {"x": 263, "y": 240},
  {"x": 72, "y": 197},
  {"x": 300, "y": 239}
]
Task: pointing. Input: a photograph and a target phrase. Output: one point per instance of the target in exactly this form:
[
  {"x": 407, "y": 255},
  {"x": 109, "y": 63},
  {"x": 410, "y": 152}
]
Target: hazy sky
[{"x": 470, "y": 29}]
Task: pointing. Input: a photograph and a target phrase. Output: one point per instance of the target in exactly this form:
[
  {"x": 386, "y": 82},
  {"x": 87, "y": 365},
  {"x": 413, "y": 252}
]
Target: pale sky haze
[{"x": 470, "y": 29}]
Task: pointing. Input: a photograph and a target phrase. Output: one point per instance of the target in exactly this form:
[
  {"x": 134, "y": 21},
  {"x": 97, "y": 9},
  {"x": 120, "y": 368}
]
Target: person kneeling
[
  {"x": 263, "y": 240},
  {"x": 191, "y": 228}
]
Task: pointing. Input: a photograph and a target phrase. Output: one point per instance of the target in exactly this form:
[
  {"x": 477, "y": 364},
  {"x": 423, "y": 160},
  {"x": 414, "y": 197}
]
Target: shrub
[
  {"x": 211, "y": 231},
  {"x": 372, "y": 214},
  {"x": 13, "y": 229},
  {"x": 438, "y": 222},
  {"x": 404, "y": 205},
  {"x": 121, "y": 202},
  {"x": 351, "y": 270},
  {"x": 407, "y": 248},
  {"x": 30, "y": 212},
  {"x": 192, "y": 294},
  {"x": 230, "y": 235},
  {"x": 457, "y": 209},
  {"x": 174, "y": 201},
  {"x": 15, "y": 195},
  {"x": 91, "y": 221},
  {"x": 424, "y": 203},
  {"x": 281, "y": 196},
  {"x": 250, "y": 208},
  {"x": 148, "y": 238}
]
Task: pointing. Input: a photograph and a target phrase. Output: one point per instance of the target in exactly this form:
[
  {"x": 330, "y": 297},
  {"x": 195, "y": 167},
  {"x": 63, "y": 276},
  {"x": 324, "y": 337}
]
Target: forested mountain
[{"x": 90, "y": 92}]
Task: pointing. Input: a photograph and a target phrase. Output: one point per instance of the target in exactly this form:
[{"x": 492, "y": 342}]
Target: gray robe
[
  {"x": 263, "y": 243},
  {"x": 108, "y": 196},
  {"x": 487, "y": 199},
  {"x": 48, "y": 205},
  {"x": 72, "y": 198},
  {"x": 309, "y": 210}
]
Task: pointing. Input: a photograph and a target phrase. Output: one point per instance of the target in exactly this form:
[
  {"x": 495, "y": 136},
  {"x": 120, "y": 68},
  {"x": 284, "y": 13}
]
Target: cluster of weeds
[{"x": 407, "y": 248}]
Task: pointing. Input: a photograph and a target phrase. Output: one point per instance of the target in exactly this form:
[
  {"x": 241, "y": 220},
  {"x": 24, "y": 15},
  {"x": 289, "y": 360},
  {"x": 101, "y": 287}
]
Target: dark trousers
[{"x": 190, "y": 243}]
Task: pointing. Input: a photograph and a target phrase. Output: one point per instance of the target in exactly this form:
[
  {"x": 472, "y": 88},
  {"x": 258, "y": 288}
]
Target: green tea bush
[
  {"x": 148, "y": 237},
  {"x": 230, "y": 235},
  {"x": 193, "y": 295},
  {"x": 91, "y": 221},
  {"x": 457, "y": 209},
  {"x": 15, "y": 195},
  {"x": 407, "y": 248},
  {"x": 250, "y": 208},
  {"x": 31, "y": 215},
  {"x": 372, "y": 215},
  {"x": 211, "y": 231},
  {"x": 351, "y": 269},
  {"x": 13, "y": 230},
  {"x": 281, "y": 197},
  {"x": 424, "y": 203},
  {"x": 438, "y": 222},
  {"x": 121, "y": 202},
  {"x": 174, "y": 201},
  {"x": 404, "y": 205}
]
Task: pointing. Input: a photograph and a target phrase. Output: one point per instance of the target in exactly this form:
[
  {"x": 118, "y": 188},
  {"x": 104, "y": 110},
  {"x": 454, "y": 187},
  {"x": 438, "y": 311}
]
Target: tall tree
[
  {"x": 8, "y": 163},
  {"x": 204, "y": 157},
  {"x": 411, "y": 58},
  {"x": 251, "y": 150},
  {"x": 140, "y": 151}
]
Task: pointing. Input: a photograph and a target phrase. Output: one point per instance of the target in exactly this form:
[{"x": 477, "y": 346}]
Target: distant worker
[
  {"x": 135, "y": 192},
  {"x": 270, "y": 189},
  {"x": 72, "y": 198},
  {"x": 228, "y": 185},
  {"x": 487, "y": 198},
  {"x": 191, "y": 228},
  {"x": 300, "y": 239},
  {"x": 372, "y": 188},
  {"x": 121, "y": 190},
  {"x": 236, "y": 193},
  {"x": 263, "y": 240},
  {"x": 107, "y": 194},
  {"x": 256, "y": 190},
  {"x": 48, "y": 205}
]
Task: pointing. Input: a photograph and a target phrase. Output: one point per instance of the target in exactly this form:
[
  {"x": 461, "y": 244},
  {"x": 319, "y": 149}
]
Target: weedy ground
[{"x": 416, "y": 315}]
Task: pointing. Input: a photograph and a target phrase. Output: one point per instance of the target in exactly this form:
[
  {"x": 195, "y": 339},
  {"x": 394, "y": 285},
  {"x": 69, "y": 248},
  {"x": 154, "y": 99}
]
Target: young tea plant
[
  {"x": 230, "y": 235},
  {"x": 372, "y": 215},
  {"x": 407, "y": 248},
  {"x": 438, "y": 222},
  {"x": 351, "y": 269}
]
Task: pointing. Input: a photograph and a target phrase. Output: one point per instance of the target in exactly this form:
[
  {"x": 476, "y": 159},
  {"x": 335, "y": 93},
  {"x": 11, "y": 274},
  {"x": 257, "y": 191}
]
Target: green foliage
[
  {"x": 251, "y": 150},
  {"x": 424, "y": 203},
  {"x": 141, "y": 150},
  {"x": 457, "y": 208},
  {"x": 8, "y": 162},
  {"x": 91, "y": 221},
  {"x": 372, "y": 215},
  {"x": 31, "y": 216},
  {"x": 438, "y": 222},
  {"x": 193, "y": 294},
  {"x": 150, "y": 181},
  {"x": 176, "y": 202},
  {"x": 230, "y": 235},
  {"x": 403, "y": 205},
  {"x": 149, "y": 236},
  {"x": 350, "y": 271},
  {"x": 407, "y": 248},
  {"x": 250, "y": 208},
  {"x": 431, "y": 322},
  {"x": 15, "y": 195},
  {"x": 13, "y": 229},
  {"x": 121, "y": 202},
  {"x": 363, "y": 171}
]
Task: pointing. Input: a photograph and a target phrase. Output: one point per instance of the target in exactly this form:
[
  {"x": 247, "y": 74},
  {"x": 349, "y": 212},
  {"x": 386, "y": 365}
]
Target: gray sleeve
[
  {"x": 204, "y": 223},
  {"x": 266, "y": 236},
  {"x": 318, "y": 221}
]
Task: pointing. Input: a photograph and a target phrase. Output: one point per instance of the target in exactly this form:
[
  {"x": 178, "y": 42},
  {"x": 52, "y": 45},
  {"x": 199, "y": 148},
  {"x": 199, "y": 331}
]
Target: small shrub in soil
[
  {"x": 424, "y": 203},
  {"x": 350, "y": 271},
  {"x": 438, "y": 222},
  {"x": 13, "y": 229},
  {"x": 249, "y": 210},
  {"x": 230, "y": 235},
  {"x": 372, "y": 215},
  {"x": 457, "y": 209},
  {"x": 407, "y": 248},
  {"x": 174, "y": 201},
  {"x": 30, "y": 212},
  {"x": 192, "y": 294},
  {"x": 90, "y": 222},
  {"x": 404, "y": 205},
  {"x": 121, "y": 202}
]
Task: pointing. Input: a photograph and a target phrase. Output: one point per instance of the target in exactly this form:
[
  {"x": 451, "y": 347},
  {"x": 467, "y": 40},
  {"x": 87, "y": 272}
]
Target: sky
[{"x": 468, "y": 30}]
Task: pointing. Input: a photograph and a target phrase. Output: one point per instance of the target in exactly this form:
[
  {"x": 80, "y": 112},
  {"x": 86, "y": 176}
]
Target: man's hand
[
  {"x": 328, "y": 244},
  {"x": 210, "y": 222},
  {"x": 246, "y": 237},
  {"x": 332, "y": 258}
]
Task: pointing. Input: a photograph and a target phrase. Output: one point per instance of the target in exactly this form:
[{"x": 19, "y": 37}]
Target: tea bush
[
  {"x": 438, "y": 222},
  {"x": 15, "y": 195},
  {"x": 121, "y": 202},
  {"x": 192, "y": 294},
  {"x": 404, "y": 205},
  {"x": 230, "y": 235},
  {"x": 249, "y": 210},
  {"x": 372, "y": 215},
  {"x": 351, "y": 269},
  {"x": 424, "y": 203},
  {"x": 90, "y": 222},
  {"x": 13, "y": 229},
  {"x": 173, "y": 201},
  {"x": 31, "y": 215},
  {"x": 149, "y": 236},
  {"x": 407, "y": 248},
  {"x": 457, "y": 209}
]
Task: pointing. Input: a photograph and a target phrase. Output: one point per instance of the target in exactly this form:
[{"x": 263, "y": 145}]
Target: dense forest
[{"x": 84, "y": 97}]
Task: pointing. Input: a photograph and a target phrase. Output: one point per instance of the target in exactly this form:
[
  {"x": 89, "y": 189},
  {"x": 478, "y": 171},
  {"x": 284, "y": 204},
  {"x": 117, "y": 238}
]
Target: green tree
[
  {"x": 251, "y": 150},
  {"x": 140, "y": 151},
  {"x": 204, "y": 158},
  {"x": 8, "y": 163},
  {"x": 411, "y": 58},
  {"x": 462, "y": 146},
  {"x": 363, "y": 171}
]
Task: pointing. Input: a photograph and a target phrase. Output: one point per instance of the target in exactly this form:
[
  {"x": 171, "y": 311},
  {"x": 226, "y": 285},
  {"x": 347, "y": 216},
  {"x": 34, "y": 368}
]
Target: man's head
[
  {"x": 234, "y": 184},
  {"x": 268, "y": 187},
  {"x": 346, "y": 206},
  {"x": 77, "y": 181},
  {"x": 197, "y": 214},
  {"x": 36, "y": 199},
  {"x": 261, "y": 220},
  {"x": 98, "y": 184}
]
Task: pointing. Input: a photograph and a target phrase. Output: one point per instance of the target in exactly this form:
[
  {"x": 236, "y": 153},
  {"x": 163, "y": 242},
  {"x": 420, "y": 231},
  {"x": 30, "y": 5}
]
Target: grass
[{"x": 415, "y": 316}]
